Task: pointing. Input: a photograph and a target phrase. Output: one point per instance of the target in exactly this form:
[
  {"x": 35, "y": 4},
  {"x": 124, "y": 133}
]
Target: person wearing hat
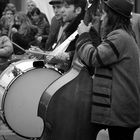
[
  {"x": 116, "y": 82},
  {"x": 73, "y": 12},
  {"x": 55, "y": 24}
]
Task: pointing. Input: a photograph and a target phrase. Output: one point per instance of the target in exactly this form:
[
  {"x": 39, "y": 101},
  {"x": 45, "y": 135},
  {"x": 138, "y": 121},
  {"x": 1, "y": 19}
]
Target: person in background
[
  {"x": 6, "y": 50},
  {"x": 30, "y": 4},
  {"x": 22, "y": 32},
  {"x": 56, "y": 22},
  {"x": 10, "y": 6},
  {"x": 42, "y": 25},
  {"x": 116, "y": 81},
  {"x": 8, "y": 18}
]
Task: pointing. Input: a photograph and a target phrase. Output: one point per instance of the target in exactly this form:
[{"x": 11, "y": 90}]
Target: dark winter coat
[{"x": 116, "y": 82}]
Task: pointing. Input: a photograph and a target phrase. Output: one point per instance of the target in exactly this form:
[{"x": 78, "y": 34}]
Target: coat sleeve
[{"x": 106, "y": 53}]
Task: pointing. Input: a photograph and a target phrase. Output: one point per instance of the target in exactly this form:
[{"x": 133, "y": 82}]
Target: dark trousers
[{"x": 115, "y": 132}]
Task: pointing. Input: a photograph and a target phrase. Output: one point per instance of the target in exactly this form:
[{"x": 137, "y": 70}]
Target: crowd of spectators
[{"x": 25, "y": 28}]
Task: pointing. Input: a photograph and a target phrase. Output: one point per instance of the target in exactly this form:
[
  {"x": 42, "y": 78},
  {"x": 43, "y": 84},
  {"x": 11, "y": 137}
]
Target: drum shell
[{"x": 21, "y": 86}]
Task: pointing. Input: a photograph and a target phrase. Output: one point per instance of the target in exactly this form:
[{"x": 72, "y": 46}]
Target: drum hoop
[
  {"x": 9, "y": 85},
  {"x": 15, "y": 63}
]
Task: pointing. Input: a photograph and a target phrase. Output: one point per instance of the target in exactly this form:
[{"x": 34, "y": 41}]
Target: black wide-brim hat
[
  {"x": 52, "y": 2},
  {"x": 122, "y": 7}
]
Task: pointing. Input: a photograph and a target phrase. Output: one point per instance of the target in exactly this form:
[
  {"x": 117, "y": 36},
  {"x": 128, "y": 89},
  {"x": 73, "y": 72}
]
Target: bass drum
[{"x": 21, "y": 86}]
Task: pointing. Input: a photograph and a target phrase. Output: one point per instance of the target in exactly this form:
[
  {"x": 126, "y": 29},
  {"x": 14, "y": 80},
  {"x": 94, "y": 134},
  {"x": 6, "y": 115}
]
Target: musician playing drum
[{"x": 72, "y": 13}]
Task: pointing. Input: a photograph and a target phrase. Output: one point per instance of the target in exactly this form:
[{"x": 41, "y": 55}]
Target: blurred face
[
  {"x": 68, "y": 12},
  {"x": 57, "y": 8},
  {"x": 35, "y": 17},
  {"x": 9, "y": 14},
  {"x": 30, "y": 6}
]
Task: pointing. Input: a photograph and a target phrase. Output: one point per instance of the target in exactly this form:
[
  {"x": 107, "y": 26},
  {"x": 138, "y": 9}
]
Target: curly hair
[{"x": 25, "y": 23}]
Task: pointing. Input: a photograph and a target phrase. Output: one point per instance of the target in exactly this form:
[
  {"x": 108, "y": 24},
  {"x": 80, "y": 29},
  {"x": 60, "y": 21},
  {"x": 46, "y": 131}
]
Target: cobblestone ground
[{"x": 7, "y": 134}]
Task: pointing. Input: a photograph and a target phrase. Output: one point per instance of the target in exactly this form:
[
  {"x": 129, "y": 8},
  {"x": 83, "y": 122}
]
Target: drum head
[
  {"x": 7, "y": 76},
  {"x": 22, "y": 100}
]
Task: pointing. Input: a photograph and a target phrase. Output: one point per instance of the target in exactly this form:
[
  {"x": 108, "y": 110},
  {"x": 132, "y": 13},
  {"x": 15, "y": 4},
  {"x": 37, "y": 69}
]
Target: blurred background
[{"x": 45, "y": 7}]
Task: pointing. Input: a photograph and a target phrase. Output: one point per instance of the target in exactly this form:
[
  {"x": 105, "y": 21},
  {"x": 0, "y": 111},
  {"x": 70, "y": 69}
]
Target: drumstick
[
  {"x": 29, "y": 51},
  {"x": 37, "y": 52},
  {"x": 18, "y": 46}
]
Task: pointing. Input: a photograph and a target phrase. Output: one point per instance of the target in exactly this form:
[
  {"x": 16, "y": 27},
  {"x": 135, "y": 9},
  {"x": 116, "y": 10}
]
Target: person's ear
[{"x": 78, "y": 10}]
